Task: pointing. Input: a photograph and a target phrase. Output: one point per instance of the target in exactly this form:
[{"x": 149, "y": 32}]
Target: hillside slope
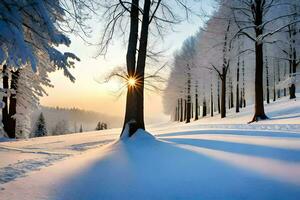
[{"x": 206, "y": 159}]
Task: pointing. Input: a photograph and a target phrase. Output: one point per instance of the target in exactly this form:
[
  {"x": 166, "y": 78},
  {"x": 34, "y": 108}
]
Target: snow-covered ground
[{"x": 206, "y": 159}]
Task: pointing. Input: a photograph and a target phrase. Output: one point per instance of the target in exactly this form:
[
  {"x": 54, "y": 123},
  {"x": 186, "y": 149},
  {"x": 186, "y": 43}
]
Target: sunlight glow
[{"x": 131, "y": 81}]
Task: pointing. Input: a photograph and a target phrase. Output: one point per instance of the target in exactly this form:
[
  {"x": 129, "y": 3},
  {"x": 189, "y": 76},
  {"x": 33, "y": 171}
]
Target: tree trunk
[
  {"x": 219, "y": 106},
  {"x": 185, "y": 110},
  {"x": 141, "y": 63},
  {"x": 211, "y": 103},
  {"x": 5, "y": 116},
  {"x": 131, "y": 103},
  {"x": 284, "y": 89},
  {"x": 223, "y": 96},
  {"x": 181, "y": 111},
  {"x": 196, "y": 105},
  {"x": 231, "y": 98},
  {"x": 259, "y": 93},
  {"x": 268, "y": 85},
  {"x": 274, "y": 86},
  {"x": 241, "y": 99},
  {"x": 231, "y": 94},
  {"x": 237, "y": 102},
  {"x": 278, "y": 72},
  {"x": 178, "y": 109},
  {"x": 244, "y": 94},
  {"x": 229, "y": 107},
  {"x": 294, "y": 66},
  {"x": 13, "y": 104},
  {"x": 192, "y": 110},
  {"x": 188, "y": 113},
  {"x": 204, "y": 111}
]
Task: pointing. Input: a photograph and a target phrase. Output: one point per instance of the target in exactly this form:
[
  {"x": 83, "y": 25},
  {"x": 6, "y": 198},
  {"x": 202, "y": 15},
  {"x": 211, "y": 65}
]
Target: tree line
[
  {"x": 246, "y": 49},
  {"x": 40, "y": 128}
]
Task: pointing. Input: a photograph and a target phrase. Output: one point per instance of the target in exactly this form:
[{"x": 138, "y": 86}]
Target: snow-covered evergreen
[
  {"x": 40, "y": 127},
  {"x": 30, "y": 34}
]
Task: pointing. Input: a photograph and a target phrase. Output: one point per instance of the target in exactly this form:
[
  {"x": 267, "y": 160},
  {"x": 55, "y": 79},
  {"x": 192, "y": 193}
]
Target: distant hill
[{"x": 74, "y": 118}]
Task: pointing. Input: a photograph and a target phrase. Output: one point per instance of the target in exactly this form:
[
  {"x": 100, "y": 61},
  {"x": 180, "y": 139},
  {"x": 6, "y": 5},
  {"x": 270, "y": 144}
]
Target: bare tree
[
  {"x": 140, "y": 19},
  {"x": 253, "y": 19}
]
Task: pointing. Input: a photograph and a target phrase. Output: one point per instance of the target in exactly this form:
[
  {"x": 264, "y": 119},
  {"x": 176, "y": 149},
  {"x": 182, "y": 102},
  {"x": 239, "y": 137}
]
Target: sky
[{"x": 90, "y": 93}]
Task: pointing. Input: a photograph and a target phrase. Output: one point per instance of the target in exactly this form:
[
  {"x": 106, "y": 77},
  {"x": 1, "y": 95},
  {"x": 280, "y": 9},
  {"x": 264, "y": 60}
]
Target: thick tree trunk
[
  {"x": 259, "y": 93},
  {"x": 141, "y": 63},
  {"x": 131, "y": 103}
]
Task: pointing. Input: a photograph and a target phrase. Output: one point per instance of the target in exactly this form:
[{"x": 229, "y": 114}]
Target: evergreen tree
[
  {"x": 104, "y": 126},
  {"x": 40, "y": 127},
  {"x": 98, "y": 127}
]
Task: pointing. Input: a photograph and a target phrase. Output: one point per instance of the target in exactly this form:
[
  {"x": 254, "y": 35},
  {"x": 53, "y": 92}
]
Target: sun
[{"x": 131, "y": 82}]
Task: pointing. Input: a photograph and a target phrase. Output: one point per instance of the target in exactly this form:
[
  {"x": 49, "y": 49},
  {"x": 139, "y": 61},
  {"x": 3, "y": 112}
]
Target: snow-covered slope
[{"x": 206, "y": 159}]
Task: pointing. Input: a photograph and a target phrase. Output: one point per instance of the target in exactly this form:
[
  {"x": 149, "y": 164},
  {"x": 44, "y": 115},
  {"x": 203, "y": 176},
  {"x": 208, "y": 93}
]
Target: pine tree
[
  {"x": 104, "y": 126},
  {"x": 40, "y": 127},
  {"x": 98, "y": 127}
]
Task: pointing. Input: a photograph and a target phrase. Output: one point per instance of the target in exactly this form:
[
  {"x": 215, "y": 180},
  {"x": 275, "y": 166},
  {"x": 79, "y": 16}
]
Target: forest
[{"x": 242, "y": 52}]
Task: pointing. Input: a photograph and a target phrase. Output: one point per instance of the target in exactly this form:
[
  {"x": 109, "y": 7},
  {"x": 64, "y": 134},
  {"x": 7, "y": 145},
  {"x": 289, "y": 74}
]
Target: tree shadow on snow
[
  {"x": 153, "y": 169},
  {"x": 284, "y": 117},
  {"x": 240, "y": 148},
  {"x": 245, "y": 132}
]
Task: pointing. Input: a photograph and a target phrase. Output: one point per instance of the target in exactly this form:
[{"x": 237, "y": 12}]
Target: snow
[{"x": 206, "y": 159}]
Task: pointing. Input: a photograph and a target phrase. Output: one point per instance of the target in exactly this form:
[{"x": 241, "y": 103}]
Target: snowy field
[{"x": 207, "y": 159}]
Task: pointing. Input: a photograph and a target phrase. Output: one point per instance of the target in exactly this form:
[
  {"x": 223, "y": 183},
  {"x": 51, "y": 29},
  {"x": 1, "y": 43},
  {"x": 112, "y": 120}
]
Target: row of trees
[{"x": 246, "y": 49}]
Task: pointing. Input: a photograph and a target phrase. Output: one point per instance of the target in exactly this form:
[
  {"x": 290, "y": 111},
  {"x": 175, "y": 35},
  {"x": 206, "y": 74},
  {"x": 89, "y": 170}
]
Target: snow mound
[{"x": 142, "y": 135}]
